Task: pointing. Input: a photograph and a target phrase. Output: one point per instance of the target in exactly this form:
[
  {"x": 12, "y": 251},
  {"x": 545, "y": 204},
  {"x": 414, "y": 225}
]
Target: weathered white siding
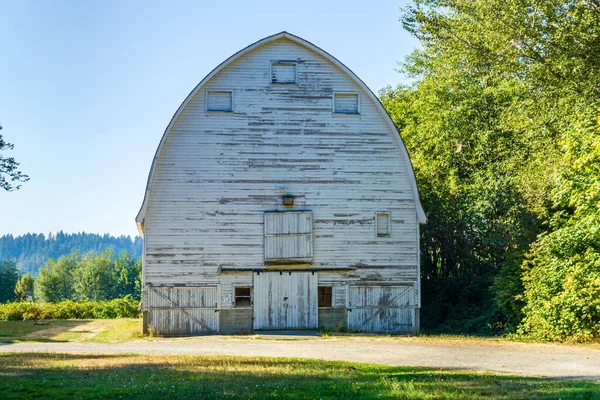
[
  {"x": 381, "y": 308},
  {"x": 285, "y": 300},
  {"x": 228, "y": 281},
  {"x": 183, "y": 310},
  {"x": 217, "y": 174},
  {"x": 288, "y": 236},
  {"x": 209, "y": 217}
]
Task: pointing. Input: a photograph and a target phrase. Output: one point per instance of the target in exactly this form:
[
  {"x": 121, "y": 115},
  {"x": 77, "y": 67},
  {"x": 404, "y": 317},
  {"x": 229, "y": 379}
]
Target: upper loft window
[
  {"x": 382, "y": 224},
  {"x": 219, "y": 100},
  {"x": 283, "y": 72},
  {"x": 346, "y": 103}
]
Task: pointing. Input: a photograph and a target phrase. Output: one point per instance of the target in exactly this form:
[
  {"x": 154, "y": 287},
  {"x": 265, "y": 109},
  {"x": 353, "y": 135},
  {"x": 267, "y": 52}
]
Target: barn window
[
  {"x": 382, "y": 224},
  {"x": 288, "y": 237},
  {"x": 243, "y": 296},
  {"x": 345, "y": 103},
  {"x": 325, "y": 296},
  {"x": 283, "y": 72},
  {"x": 219, "y": 100}
]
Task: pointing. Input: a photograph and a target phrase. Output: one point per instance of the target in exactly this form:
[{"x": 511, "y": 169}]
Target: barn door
[
  {"x": 183, "y": 310},
  {"x": 381, "y": 309},
  {"x": 285, "y": 300},
  {"x": 288, "y": 237}
]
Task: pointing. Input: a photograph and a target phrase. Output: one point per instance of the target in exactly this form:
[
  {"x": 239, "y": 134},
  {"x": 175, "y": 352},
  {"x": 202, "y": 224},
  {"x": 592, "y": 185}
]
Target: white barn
[{"x": 281, "y": 196}]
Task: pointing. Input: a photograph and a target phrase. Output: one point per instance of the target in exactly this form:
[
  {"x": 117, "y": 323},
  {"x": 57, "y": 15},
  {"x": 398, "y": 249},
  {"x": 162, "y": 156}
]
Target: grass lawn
[
  {"x": 136, "y": 376},
  {"x": 97, "y": 331}
]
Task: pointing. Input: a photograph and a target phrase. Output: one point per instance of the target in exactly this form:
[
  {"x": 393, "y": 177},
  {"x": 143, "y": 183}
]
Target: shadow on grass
[
  {"x": 134, "y": 376},
  {"x": 20, "y": 331}
]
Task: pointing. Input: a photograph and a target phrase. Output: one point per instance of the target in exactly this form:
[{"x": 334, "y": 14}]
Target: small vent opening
[
  {"x": 345, "y": 103},
  {"x": 219, "y": 100},
  {"x": 283, "y": 73},
  {"x": 382, "y": 223}
]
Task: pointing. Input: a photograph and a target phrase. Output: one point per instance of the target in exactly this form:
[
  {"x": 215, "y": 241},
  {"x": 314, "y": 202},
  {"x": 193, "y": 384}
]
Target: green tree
[
  {"x": 95, "y": 277},
  {"x": 55, "y": 279},
  {"x": 128, "y": 272},
  {"x": 24, "y": 287},
  {"x": 9, "y": 172},
  {"x": 9, "y": 275},
  {"x": 562, "y": 272},
  {"x": 500, "y": 87}
]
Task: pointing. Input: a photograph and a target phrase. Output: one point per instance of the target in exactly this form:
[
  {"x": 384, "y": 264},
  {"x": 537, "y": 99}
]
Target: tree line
[
  {"x": 31, "y": 251},
  {"x": 75, "y": 276},
  {"x": 502, "y": 125}
]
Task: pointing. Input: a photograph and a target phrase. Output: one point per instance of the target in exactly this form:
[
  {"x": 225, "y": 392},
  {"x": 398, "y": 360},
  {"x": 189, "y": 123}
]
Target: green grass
[
  {"x": 135, "y": 376},
  {"x": 97, "y": 331}
]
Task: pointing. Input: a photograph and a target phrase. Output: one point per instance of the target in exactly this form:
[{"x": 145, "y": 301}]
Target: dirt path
[{"x": 567, "y": 362}]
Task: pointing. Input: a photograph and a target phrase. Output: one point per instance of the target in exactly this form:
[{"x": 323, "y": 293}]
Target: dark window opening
[
  {"x": 325, "y": 296},
  {"x": 383, "y": 224},
  {"x": 243, "y": 297}
]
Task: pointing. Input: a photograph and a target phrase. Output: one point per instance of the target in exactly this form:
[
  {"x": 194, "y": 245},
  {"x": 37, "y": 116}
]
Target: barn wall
[
  {"x": 218, "y": 172},
  {"x": 235, "y": 321},
  {"x": 229, "y": 281},
  {"x": 332, "y": 318}
]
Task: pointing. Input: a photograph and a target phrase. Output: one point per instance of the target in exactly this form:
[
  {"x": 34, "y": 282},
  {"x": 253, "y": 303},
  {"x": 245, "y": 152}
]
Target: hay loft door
[
  {"x": 285, "y": 300},
  {"x": 288, "y": 237}
]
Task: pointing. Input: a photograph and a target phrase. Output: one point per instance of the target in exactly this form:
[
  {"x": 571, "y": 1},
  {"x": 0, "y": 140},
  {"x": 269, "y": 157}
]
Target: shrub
[{"x": 68, "y": 309}]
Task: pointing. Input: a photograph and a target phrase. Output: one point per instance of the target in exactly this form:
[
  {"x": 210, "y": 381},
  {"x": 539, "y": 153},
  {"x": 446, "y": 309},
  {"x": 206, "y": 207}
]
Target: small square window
[
  {"x": 283, "y": 72},
  {"x": 243, "y": 296},
  {"x": 345, "y": 103},
  {"x": 382, "y": 224},
  {"x": 219, "y": 100},
  {"x": 325, "y": 296}
]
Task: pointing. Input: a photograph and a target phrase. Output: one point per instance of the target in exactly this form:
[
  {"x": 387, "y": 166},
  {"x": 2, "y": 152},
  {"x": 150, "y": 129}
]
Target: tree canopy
[
  {"x": 501, "y": 124},
  {"x": 10, "y": 175}
]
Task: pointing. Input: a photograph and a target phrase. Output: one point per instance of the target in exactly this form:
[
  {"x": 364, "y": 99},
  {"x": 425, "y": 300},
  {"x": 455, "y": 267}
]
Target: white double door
[{"x": 285, "y": 300}]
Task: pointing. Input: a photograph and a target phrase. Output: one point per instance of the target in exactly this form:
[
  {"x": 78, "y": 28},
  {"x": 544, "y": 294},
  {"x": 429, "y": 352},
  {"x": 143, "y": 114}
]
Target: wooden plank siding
[
  {"x": 218, "y": 173},
  {"x": 224, "y": 171},
  {"x": 285, "y": 300}
]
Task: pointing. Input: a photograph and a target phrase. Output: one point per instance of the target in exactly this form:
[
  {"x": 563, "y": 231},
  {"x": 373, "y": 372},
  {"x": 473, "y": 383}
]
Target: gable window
[
  {"x": 243, "y": 296},
  {"x": 325, "y": 296},
  {"x": 288, "y": 237},
  {"x": 219, "y": 100},
  {"x": 346, "y": 103},
  {"x": 283, "y": 72},
  {"x": 382, "y": 224}
]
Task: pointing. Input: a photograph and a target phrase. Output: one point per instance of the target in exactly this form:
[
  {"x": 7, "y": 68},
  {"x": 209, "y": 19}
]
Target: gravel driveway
[{"x": 559, "y": 361}]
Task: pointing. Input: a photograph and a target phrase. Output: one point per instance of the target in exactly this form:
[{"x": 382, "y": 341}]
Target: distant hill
[{"x": 32, "y": 250}]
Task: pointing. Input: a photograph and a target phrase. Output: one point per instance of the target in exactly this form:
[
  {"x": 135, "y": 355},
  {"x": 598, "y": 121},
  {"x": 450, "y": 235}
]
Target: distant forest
[{"x": 32, "y": 250}]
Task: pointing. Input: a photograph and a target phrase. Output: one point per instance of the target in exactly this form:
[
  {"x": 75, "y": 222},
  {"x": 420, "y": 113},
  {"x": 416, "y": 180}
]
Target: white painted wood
[
  {"x": 382, "y": 224},
  {"x": 219, "y": 100},
  {"x": 421, "y": 218},
  {"x": 283, "y": 72},
  {"x": 285, "y": 300},
  {"x": 288, "y": 236},
  {"x": 217, "y": 177},
  {"x": 381, "y": 309},
  {"x": 183, "y": 310},
  {"x": 227, "y": 283},
  {"x": 346, "y": 103}
]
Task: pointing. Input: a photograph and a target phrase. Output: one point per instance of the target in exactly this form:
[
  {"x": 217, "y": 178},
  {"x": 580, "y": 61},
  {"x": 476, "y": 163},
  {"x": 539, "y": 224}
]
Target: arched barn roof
[{"x": 421, "y": 218}]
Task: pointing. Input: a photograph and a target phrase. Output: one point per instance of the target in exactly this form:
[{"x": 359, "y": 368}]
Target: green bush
[{"x": 68, "y": 309}]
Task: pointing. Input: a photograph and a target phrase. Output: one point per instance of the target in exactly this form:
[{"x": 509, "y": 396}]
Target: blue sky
[{"x": 88, "y": 87}]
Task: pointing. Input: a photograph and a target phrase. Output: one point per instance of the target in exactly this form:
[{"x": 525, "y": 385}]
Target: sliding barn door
[
  {"x": 183, "y": 310},
  {"x": 388, "y": 309},
  {"x": 285, "y": 300}
]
